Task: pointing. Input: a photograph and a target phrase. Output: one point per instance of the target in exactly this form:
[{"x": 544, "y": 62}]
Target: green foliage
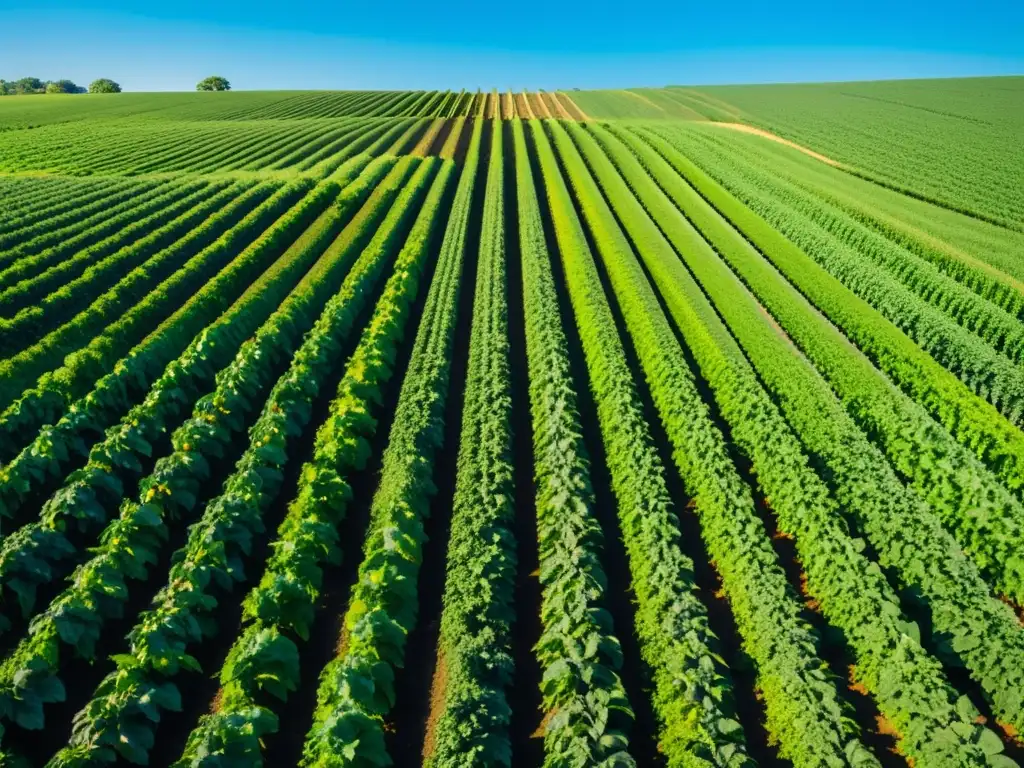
[
  {"x": 213, "y": 83},
  {"x": 104, "y": 85},
  {"x": 853, "y": 594}
]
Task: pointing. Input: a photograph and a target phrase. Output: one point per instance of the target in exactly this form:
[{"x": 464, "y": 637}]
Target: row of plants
[
  {"x": 692, "y": 694},
  {"x": 966, "y": 416},
  {"x": 29, "y": 676},
  {"x": 33, "y": 277},
  {"x": 26, "y": 198},
  {"x": 985, "y": 517},
  {"x": 91, "y": 391},
  {"x": 356, "y": 691},
  {"x": 973, "y": 339},
  {"x": 367, "y": 135},
  {"x": 373, "y": 142},
  {"x": 971, "y": 628},
  {"x": 471, "y": 715},
  {"x": 33, "y": 554},
  {"x": 114, "y": 280},
  {"x": 55, "y": 227},
  {"x": 102, "y": 238},
  {"x": 280, "y": 610},
  {"x": 804, "y": 712},
  {"x": 122, "y": 718},
  {"x": 587, "y": 716},
  {"x": 331, "y": 141},
  {"x": 935, "y": 725},
  {"x": 196, "y": 257},
  {"x": 939, "y": 271}
]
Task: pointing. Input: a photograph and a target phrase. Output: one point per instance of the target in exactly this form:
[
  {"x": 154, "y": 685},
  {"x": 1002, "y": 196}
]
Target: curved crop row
[
  {"x": 31, "y": 279},
  {"x": 33, "y": 238},
  {"x": 100, "y": 281},
  {"x": 33, "y": 554},
  {"x": 348, "y": 726},
  {"x": 29, "y": 677},
  {"x": 987, "y": 520},
  {"x": 973, "y": 422},
  {"x": 984, "y": 351},
  {"x": 935, "y": 726},
  {"x": 804, "y": 712},
  {"x": 196, "y": 257},
  {"x": 174, "y": 388},
  {"x": 280, "y": 610},
  {"x": 971, "y": 627},
  {"x": 134, "y": 270},
  {"x": 692, "y": 695},
  {"x": 471, "y": 715},
  {"x": 93, "y": 391},
  {"x": 938, "y": 271},
  {"x": 122, "y": 717}
]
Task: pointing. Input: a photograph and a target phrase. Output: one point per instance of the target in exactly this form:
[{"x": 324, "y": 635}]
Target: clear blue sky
[{"x": 523, "y": 44}]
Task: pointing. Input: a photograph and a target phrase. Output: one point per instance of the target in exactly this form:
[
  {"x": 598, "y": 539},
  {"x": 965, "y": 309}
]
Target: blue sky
[{"x": 523, "y": 44}]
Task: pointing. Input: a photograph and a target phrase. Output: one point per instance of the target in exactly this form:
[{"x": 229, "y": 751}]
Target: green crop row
[
  {"x": 804, "y": 712},
  {"x": 33, "y": 238},
  {"x": 34, "y": 553},
  {"x": 587, "y": 713},
  {"x": 114, "y": 281},
  {"x": 196, "y": 257},
  {"x": 29, "y": 676},
  {"x": 971, "y": 628},
  {"x": 123, "y": 715},
  {"x": 31, "y": 278},
  {"x": 692, "y": 695},
  {"x": 263, "y": 662},
  {"x": 987, "y": 520},
  {"x": 474, "y": 646},
  {"x": 171, "y": 390},
  {"x": 984, "y": 350},
  {"x": 934, "y": 725}
]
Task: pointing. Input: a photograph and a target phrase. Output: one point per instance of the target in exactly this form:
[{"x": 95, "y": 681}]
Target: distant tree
[
  {"x": 63, "y": 86},
  {"x": 104, "y": 85},
  {"x": 214, "y": 83},
  {"x": 29, "y": 85}
]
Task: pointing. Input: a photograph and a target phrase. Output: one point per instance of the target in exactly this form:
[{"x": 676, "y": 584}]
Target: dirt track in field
[{"x": 744, "y": 128}]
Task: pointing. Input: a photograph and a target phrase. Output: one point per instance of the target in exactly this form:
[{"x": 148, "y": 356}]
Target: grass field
[{"x": 655, "y": 427}]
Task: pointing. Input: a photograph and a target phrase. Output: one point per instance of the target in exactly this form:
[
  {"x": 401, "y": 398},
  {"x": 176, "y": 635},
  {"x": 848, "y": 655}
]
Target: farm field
[{"x": 653, "y": 427}]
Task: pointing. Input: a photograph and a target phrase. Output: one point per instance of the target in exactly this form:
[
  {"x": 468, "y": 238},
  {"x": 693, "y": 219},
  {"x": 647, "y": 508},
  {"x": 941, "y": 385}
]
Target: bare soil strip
[
  {"x": 572, "y": 107},
  {"x": 743, "y": 128}
]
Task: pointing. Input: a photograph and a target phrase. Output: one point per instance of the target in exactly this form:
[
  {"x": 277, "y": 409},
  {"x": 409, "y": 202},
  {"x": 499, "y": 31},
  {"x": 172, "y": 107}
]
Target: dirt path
[
  {"x": 743, "y": 128},
  {"x": 572, "y": 107}
]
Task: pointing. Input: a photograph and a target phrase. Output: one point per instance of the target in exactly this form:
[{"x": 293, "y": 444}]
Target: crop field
[{"x": 655, "y": 427}]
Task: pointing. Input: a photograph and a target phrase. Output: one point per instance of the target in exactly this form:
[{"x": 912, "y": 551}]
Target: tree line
[{"x": 27, "y": 85}]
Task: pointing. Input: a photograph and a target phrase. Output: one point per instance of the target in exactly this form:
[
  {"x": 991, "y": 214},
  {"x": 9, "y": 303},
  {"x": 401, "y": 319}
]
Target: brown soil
[
  {"x": 1011, "y": 733},
  {"x": 644, "y": 99},
  {"x": 540, "y": 108},
  {"x": 508, "y": 107},
  {"x": 437, "y": 691},
  {"x": 542, "y": 728},
  {"x": 809, "y": 601},
  {"x": 743, "y": 128},
  {"x": 572, "y": 107},
  {"x": 426, "y": 142},
  {"x": 523, "y": 107},
  {"x": 557, "y": 109}
]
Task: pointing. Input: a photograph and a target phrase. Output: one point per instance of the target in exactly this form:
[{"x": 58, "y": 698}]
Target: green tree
[
  {"x": 214, "y": 83},
  {"x": 104, "y": 85},
  {"x": 29, "y": 85},
  {"x": 62, "y": 86}
]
